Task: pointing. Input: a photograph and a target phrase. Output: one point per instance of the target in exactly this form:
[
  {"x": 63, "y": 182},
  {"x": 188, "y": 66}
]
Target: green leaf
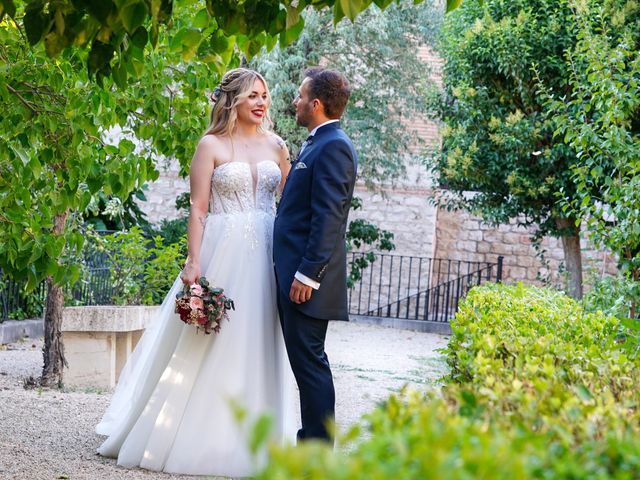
[
  {"x": 201, "y": 20},
  {"x": 99, "y": 57},
  {"x": 583, "y": 393},
  {"x": 8, "y": 7},
  {"x": 292, "y": 33},
  {"x": 100, "y": 10},
  {"x": 120, "y": 75},
  {"x": 140, "y": 37},
  {"x": 218, "y": 42},
  {"x": 453, "y": 4},
  {"x": 36, "y": 23},
  {"x": 260, "y": 433},
  {"x": 22, "y": 155},
  {"x": 185, "y": 40},
  {"x": 54, "y": 43},
  {"x": 133, "y": 15},
  {"x": 351, "y": 8},
  {"x": 191, "y": 38}
]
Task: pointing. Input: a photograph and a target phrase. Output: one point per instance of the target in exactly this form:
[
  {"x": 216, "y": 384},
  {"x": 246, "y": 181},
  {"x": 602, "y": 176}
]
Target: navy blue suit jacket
[{"x": 310, "y": 226}]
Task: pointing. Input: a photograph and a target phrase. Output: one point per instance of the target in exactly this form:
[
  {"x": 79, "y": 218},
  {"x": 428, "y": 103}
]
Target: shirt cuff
[{"x": 307, "y": 281}]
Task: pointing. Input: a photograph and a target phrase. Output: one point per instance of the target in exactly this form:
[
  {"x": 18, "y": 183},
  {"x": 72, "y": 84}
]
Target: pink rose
[
  {"x": 196, "y": 290},
  {"x": 196, "y": 303}
]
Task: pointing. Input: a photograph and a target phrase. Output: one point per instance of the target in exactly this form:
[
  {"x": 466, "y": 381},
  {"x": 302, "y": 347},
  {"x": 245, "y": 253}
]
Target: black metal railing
[
  {"x": 394, "y": 286},
  {"x": 14, "y": 302},
  {"x": 417, "y": 288},
  {"x": 94, "y": 288}
]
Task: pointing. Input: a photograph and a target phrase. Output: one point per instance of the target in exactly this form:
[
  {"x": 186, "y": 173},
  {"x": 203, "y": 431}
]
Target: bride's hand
[{"x": 190, "y": 273}]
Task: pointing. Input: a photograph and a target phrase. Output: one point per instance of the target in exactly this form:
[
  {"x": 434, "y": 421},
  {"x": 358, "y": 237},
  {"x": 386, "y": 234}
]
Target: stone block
[
  {"x": 475, "y": 235},
  {"x": 492, "y": 236},
  {"x": 518, "y": 273},
  {"x": 502, "y": 248},
  {"x": 512, "y": 238},
  {"x": 484, "y": 247},
  {"x": 527, "y": 261},
  {"x": 468, "y": 246},
  {"x": 99, "y": 340},
  {"x": 14, "y": 330}
]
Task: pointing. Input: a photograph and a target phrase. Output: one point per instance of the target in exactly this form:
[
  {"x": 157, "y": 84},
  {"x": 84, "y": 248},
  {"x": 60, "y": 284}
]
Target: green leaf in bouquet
[
  {"x": 203, "y": 282},
  {"x": 217, "y": 291}
]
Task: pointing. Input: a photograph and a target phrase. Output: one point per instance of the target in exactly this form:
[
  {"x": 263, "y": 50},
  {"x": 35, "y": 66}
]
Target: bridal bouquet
[{"x": 204, "y": 306}]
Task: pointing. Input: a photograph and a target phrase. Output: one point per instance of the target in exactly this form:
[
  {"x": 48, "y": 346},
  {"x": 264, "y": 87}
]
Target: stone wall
[
  {"x": 462, "y": 236},
  {"x": 161, "y": 194}
]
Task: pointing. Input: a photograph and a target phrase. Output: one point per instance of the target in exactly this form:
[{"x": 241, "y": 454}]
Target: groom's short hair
[{"x": 331, "y": 88}]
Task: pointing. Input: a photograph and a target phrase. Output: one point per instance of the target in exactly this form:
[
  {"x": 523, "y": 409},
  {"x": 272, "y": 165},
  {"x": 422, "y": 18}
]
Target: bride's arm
[
  {"x": 202, "y": 167},
  {"x": 284, "y": 162}
]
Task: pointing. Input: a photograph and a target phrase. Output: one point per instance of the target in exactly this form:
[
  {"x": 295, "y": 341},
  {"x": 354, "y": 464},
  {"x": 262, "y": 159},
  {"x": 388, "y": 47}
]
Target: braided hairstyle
[{"x": 236, "y": 86}]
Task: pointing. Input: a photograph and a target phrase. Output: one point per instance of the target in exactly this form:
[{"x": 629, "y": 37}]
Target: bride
[{"x": 176, "y": 405}]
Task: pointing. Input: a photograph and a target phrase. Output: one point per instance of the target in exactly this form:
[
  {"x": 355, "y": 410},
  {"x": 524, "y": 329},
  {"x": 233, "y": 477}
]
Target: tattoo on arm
[
  {"x": 203, "y": 220},
  {"x": 280, "y": 143}
]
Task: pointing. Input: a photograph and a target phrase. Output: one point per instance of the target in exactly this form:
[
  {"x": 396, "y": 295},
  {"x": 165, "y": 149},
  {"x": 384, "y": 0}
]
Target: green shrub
[
  {"x": 538, "y": 388},
  {"x": 161, "y": 270},
  {"x": 140, "y": 270},
  {"x": 126, "y": 253},
  {"x": 171, "y": 231},
  {"x": 30, "y": 305},
  {"x": 613, "y": 295}
]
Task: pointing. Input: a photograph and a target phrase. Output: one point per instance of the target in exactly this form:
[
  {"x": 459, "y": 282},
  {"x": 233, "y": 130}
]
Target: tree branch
[{"x": 22, "y": 99}]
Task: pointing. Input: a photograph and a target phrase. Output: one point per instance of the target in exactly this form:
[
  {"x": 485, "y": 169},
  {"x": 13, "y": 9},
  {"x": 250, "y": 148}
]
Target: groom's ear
[{"x": 317, "y": 105}]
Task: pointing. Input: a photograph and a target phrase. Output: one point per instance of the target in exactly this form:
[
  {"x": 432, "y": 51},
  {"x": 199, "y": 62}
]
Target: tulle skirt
[{"x": 185, "y": 401}]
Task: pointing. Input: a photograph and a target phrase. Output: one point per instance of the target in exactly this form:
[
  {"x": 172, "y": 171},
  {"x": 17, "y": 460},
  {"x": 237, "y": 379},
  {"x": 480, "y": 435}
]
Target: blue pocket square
[{"x": 300, "y": 165}]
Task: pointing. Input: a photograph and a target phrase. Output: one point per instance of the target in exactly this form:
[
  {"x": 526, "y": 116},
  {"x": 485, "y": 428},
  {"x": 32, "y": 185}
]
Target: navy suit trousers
[{"x": 304, "y": 338}]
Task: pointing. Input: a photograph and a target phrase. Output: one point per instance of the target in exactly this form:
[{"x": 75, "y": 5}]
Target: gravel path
[{"x": 48, "y": 435}]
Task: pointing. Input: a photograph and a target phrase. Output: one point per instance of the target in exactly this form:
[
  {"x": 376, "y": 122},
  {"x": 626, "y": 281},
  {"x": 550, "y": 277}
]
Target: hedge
[{"x": 538, "y": 388}]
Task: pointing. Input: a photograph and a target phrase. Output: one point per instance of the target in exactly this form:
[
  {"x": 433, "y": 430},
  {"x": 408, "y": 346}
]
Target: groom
[{"x": 309, "y": 243}]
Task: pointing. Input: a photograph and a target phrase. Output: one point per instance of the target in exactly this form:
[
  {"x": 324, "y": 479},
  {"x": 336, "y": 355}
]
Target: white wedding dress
[{"x": 173, "y": 408}]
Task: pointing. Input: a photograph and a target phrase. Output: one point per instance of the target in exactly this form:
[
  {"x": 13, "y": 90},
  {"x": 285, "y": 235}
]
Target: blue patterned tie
[{"x": 304, "y": 145}]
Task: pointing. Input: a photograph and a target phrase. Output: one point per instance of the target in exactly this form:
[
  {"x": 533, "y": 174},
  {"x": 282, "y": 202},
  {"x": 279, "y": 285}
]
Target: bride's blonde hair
[{"x": 236, "y": 85}]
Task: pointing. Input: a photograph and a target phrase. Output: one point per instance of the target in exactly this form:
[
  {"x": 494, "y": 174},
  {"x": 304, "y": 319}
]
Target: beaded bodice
[{"x": 238, "y": 187}]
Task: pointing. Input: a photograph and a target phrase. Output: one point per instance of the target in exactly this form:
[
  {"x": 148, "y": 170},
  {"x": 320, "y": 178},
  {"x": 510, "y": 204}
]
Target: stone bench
[{"x": 98, "y": 341}]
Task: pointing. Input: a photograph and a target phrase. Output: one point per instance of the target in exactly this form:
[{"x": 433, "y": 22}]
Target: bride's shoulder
[
  {"x": 277, "y": 142},
  {"x": 210, "y": 141}
]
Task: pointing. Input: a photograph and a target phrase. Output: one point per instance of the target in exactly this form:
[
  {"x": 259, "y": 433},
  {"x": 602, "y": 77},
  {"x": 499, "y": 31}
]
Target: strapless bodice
[{"x": 232, "y": 187}]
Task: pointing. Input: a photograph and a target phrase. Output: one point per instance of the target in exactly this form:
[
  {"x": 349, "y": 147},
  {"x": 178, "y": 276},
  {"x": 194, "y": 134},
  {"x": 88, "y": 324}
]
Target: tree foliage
[
  {"x": 498, "y": 139},
  {"x": 378, "y": 53},
  {"x": 600, "y": 120},
  {"x": 68, "y": 141},
  {"x": 57, "y": 153},
  {"x": 117, "y": 32}
]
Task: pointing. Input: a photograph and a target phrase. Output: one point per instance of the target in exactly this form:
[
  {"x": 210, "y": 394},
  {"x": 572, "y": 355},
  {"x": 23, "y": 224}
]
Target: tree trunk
[
  {"x": 570, "y": 236},
  {"x": 53, "y": 351},
  {"x": 635, "y": 275}
]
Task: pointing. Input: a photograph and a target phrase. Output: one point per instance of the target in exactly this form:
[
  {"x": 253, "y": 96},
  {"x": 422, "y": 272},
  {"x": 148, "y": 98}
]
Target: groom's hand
[{"x": 299, "y": 292}]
